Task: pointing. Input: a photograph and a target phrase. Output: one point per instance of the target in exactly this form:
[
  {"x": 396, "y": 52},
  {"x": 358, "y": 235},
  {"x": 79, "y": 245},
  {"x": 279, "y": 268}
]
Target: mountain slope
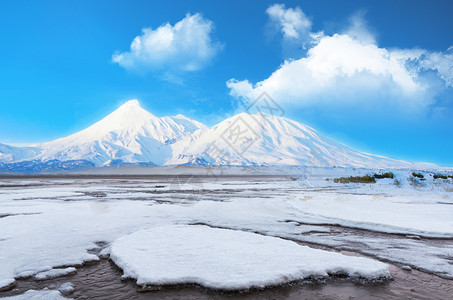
[
  {"x": 11, "y": 153},
  {"x": 130, "y": 134},
  {"x": 270, "y": 140}
]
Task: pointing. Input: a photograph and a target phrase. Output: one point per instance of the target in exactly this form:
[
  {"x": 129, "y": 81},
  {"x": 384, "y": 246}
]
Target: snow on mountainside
[
  {"x": 132, "y": 135},
  {"x": 129, "y": 135},
  {"x": 259, "y": 139},
  {"x": 11, "y": 153}
]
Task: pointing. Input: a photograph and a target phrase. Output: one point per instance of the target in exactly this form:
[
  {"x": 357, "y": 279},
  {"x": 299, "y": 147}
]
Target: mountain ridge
[{"x": 132, "y": 135}]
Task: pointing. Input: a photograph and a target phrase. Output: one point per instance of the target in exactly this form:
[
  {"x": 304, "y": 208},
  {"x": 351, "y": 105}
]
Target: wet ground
[{"x": 102, "y": 280}]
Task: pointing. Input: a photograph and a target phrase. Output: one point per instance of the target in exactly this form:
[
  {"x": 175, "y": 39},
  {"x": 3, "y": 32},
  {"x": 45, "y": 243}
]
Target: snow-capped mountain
[
  {"x": 132, "y": 135},
  {"x": 128, "y": 135},
  {"x": 259, "y": 139}
]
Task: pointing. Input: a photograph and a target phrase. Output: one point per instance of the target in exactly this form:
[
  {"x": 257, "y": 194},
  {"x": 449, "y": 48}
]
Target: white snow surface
[
  {"x": 66, "y": 288},
  {"x": 386, "y": 213},
  {"x": 44, "y": 294},
  {"x": 6, "y": 282},
  {"x": 55, "y": 273},
  {"x": 228, "y": 259}
]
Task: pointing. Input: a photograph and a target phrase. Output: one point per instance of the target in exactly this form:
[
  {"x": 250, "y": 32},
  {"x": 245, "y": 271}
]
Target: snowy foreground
[
  {"x": 228, "y": 259},
  {"x": 48, "y": 226}
]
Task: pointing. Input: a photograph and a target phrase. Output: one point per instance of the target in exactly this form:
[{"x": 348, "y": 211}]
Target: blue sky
[{"x": 66, "y": 64}]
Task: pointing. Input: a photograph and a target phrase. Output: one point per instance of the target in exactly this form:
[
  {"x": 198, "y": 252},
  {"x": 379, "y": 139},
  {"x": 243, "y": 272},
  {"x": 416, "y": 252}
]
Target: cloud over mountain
[
  {"x": 349, "y": 69},
  {"x": 186, "y": 46}
]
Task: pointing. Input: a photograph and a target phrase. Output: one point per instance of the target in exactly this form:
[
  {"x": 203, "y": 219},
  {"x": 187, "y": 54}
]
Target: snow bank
[
  {"x": 38, "y": 295},
  {"x": 6, "y": 284},
  {"x": 227, "y": 259},
  {"x": 412, "y": 213},
  {"x": 55, "y": 273}
]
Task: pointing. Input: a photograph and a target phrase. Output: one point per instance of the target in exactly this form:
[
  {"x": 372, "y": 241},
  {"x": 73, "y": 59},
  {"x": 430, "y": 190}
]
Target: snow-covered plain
[{"x": 60, "y": 223}]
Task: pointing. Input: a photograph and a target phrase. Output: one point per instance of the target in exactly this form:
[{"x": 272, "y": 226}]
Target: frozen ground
[{"x": 49, "y": 224}]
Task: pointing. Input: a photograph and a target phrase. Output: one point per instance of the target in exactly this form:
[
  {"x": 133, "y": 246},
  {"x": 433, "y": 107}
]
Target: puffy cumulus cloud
[
  {"x": 292, "y": 22},
  {"x": 350, "y": 69},
  {"x": 186, "y": 46},
  {"x": 338, "y": 69}
]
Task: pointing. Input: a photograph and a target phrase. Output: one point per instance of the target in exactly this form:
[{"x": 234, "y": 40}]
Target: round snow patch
[
  {"x": 228, "y": 259},
  {"x": 66, "y": 288}
]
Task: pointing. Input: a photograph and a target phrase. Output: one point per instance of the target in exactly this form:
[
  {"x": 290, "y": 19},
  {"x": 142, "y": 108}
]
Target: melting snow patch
[
  {"x": 55, "y": 273},
  {"x": 38, "y": 295},
  {"x": 66, "y": 288},
  {"x": 227, "y": 259},
  {"x": 7, "y": 284}
]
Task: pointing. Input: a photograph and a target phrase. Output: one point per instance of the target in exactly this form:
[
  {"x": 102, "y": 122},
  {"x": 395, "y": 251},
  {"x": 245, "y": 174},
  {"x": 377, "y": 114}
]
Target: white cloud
[
  {"x": 186, "y": 46},
  {"x": 292, "y": 22},
  {"x": 442, "y": 62},
  {"x": 358, "y": 29},
  {"x": 338, "y": 68},
  {"x": 350, "y": 69}
]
